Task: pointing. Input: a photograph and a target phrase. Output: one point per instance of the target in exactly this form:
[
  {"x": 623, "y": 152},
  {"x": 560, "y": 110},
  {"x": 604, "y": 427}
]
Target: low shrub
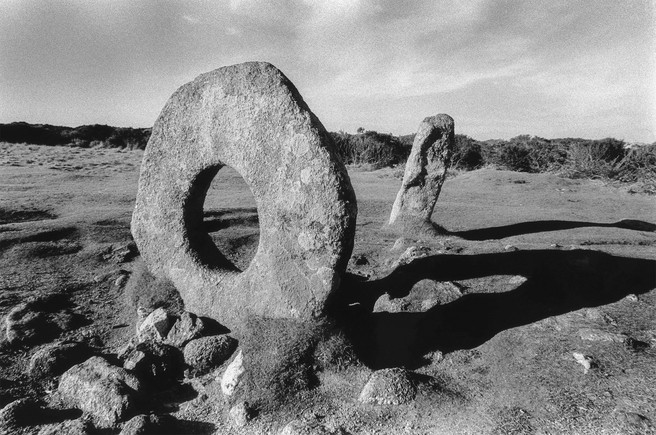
[{"x": 467, "y": 154}]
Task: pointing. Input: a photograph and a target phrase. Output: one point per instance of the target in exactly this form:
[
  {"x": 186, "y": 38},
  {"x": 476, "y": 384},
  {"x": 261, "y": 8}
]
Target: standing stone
[
  {"x": 424, "y": 175},
  {"x": 252, "y": 118}
]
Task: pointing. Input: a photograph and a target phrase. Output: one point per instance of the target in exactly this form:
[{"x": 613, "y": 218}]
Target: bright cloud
[{"x": 499, "y": 67}]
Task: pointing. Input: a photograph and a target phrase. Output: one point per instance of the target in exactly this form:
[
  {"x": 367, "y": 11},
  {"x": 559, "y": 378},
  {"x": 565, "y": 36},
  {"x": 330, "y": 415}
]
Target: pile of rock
[{"x": 111, "y": 389}]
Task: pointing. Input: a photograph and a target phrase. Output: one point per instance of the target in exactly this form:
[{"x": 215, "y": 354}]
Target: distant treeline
[
  {"x": 572, "y": 157},
  {"x": 85, "y": 136}
]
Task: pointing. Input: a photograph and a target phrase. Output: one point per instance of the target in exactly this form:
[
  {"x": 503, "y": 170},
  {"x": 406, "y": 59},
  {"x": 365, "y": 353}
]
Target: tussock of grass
[{"x": 144, "y": 290}]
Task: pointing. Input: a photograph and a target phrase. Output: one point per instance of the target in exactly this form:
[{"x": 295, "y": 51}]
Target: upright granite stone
[
  {"x": 424, "y": 175},
  {"x": 252, "y": 118}
]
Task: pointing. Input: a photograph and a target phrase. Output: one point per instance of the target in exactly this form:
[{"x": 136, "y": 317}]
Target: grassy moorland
[{"x": 533, "y": 313}]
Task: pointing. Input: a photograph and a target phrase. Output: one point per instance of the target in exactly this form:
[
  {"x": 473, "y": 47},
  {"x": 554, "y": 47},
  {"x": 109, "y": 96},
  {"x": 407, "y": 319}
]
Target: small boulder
[
  {"x": 54, "y": 359},
  {"x": 154, "y": 362},
  {"x": 149, "y": 424},
  {"x": 585, "y": 360},
  {"x": 232, "y": 375},
  {"x": 106, "y": 392},
  {"x": 389, "y": 387},
  {"x": 204, "y": 354},
  {"x": 155, "y": 326},
  {"x": 185, "y": 329}
]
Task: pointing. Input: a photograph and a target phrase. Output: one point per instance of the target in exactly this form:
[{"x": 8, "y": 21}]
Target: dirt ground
[{"x": 532, "y": 269}]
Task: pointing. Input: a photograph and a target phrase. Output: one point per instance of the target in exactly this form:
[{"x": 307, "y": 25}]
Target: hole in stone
[{"x": 229, "y": 232}]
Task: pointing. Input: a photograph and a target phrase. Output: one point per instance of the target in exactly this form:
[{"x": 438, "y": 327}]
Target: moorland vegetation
[{"x": 606, "y": 159}]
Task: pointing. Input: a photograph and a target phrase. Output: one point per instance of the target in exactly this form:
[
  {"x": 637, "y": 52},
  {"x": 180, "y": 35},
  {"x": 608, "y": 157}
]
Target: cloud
[{"x": 498, "y": 65}]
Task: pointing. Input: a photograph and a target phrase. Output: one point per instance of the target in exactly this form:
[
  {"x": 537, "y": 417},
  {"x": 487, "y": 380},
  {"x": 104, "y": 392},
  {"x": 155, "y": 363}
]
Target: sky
[{"x": 584, "y": 68}]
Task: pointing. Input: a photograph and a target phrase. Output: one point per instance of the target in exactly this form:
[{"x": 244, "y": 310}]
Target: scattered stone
[
  {"x": 232, "y": 375},
  {"x": 21, "y": 412},
  {"x": 154, "y": 362},
  {"x": 106, "y": 392},
  {"x": 54, "y": 359},
  {"x": 186, "y": 328},
  {"x": 155, "y": 326},
  {"x": 240, "y": 414},
  {"x": 556, "y": 245},
  {"x": 246, "y": 116},
  {"x": 631, "y": 298},
  {"x": 585, "y": 360},
  {"x": 592, "y": 334},
  {"x": 207, "y": 353},
  {"x": 39, "y": 319},
  {"x": 150, "y": 425},
  {"x": 69, "y": 427},
  {"x": 425, "y": 172},
  {"x": 389, "y": 387}
]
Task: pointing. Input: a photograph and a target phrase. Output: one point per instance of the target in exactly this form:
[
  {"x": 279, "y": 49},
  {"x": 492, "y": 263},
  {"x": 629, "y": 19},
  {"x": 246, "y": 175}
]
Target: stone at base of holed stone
[
  {"x": 389, "y": 387},
  {"x": 425, "y": 172}
]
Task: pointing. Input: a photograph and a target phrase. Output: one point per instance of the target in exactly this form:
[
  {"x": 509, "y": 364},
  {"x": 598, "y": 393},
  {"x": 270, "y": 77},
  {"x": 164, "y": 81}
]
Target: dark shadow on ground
[
  {"x": 494, "y": 233},
  {"x": 557, "y": 282}
]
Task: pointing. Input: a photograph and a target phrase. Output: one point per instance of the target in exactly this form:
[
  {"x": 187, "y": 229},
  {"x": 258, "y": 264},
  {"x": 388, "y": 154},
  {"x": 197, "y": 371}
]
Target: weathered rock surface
[
  {"x": 155, "y": 326},
  {"x": 54, "y": 359},
  {"x": 252, "y": 118},
  {"x": 39, "y": 319},
  {"x": 68, "y": 427},
  {"x": 425, "y": 172},
  {"x": 149, "y": 425},
  {"x": 106, "y": 392},
  {"x": 232, "y": 375},
  {"x": 389, "y": 387},
  {"x": 185, "y": 329},
  {"x": 207, "y": 353},
  {"x": 594, "y": 334},
  {"x": 154, "y": 362},
  {"x": 239, "y": 414}
]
